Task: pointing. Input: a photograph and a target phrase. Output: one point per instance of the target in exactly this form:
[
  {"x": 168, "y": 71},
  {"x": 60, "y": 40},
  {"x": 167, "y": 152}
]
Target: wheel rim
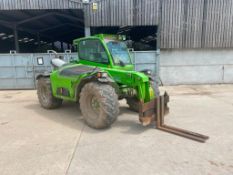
[{"x": 95, "y": 105}]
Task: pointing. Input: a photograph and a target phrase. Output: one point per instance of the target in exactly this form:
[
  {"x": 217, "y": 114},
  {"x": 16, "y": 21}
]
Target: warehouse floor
[{"x": 57, "y": 142}]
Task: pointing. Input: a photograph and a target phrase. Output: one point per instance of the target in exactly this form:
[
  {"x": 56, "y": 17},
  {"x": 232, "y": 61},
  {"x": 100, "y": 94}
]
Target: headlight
[
  {"x": 147, "y": 72},
  {"x": 104, "y": 74}
]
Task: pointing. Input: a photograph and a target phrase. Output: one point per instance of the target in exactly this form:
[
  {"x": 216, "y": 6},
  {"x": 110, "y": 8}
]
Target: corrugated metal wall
[
  {"x": 218, "y": 23},
  {"x": 172, "y": 23},
  {"x": 124, "y": 13},
  {"x": 39, "y": 4},
  {"x": 111, "y": 13},
  {"x": 197, "y": 24},
  {"x": 193, "y": 23},
  {"x": 184, "y": 23}
]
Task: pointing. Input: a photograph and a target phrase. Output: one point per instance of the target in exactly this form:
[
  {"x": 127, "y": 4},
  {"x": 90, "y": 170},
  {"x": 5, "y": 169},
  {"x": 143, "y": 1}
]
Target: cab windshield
[{"x": 119, "y": 52}]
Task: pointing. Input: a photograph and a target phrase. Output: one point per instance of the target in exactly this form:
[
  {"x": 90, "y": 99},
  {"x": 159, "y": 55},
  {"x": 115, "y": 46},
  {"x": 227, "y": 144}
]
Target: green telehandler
[{"x": 102, "y": 75}]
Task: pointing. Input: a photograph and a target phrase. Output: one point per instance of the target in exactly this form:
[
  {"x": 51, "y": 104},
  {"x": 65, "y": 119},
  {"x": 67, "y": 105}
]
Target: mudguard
[
  {"x": 94, "y": 78},
  {"x": 45, "y": 74}
]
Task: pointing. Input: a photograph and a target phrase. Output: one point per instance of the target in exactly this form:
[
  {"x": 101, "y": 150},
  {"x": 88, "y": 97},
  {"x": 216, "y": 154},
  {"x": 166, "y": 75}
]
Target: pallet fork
[{"x": 159, "y": 108}]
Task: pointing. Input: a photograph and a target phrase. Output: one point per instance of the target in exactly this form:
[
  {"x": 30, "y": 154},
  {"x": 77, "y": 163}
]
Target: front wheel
[{"x": 99, "y": 105}]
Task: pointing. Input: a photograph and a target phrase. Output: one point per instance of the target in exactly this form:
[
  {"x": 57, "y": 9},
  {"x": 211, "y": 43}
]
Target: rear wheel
[
  {"x": 99, "y": 105},
  {"x": 45, "y": 95}
]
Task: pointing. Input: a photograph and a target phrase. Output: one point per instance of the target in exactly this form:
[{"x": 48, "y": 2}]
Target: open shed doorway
[
  {"x": 31, "y": 31},
  {"x": 139, "y": 38}
]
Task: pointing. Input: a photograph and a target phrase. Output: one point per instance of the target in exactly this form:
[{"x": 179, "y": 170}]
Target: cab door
[{"x": 92, "y": 52}]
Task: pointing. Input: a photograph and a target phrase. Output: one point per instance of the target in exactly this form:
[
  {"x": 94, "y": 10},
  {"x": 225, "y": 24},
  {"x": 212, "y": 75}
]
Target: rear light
[
  {"x": 99, "y": 74},
  {"x": 102, "y": 74}
]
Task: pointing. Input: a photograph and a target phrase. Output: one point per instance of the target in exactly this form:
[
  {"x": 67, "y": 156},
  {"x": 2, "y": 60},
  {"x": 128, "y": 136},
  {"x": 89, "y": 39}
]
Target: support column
[
  {"x": 158, "y": 35},
  {"x": 62, "y": 46},
  {"x": 38, "y": 41},
  {"x": 72, "y": 48},
  {"x": 53, "y": 47},
  {"x": 87, "y": 31},
  {"x": 16, "y": 39}
]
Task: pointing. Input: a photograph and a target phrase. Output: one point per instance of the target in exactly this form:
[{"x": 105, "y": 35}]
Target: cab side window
[{"x": 93, "y": 50}]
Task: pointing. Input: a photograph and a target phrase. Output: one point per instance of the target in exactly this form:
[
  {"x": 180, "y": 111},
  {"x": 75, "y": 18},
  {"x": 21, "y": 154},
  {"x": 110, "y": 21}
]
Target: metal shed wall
[
  {"x": 218, "y": 23},
  {"x": 39, "y": 4},
  {"x": 124, "y": 13},
  {"x": 184, "y": 23},
  {"x": 197, "y": 24},
  {"x": 172, "y": 23}
]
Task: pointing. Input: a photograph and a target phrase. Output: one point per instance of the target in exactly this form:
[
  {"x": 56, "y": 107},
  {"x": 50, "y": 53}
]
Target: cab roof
[{"x": 102, "y": 37}]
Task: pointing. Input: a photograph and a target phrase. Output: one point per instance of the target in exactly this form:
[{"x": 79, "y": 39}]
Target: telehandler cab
[{"x": 103, "y": 74}]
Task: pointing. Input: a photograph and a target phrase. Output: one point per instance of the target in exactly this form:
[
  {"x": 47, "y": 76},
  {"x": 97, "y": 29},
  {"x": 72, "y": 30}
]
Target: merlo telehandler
[{"x": 103, "y": 74}]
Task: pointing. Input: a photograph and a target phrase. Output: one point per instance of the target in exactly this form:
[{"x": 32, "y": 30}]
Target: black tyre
[
  {"x": 133, "y": 102},
  {"x": 99, "y": 105},
  {"x": 45, "y": 96}
]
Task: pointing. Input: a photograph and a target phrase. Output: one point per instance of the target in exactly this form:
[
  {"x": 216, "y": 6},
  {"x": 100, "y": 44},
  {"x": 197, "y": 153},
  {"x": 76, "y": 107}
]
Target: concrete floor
[{"x": 34, "y": 141}]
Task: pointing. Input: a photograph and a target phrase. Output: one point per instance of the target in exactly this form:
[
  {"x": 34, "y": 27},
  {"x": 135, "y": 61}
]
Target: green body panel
[
  {"x": 67, "y": 82},
  {"x": 124, "y": 76}
]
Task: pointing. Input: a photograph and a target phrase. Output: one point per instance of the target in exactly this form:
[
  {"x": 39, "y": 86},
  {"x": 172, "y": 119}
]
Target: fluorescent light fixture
[
  {"x": 2, "y": 34},
  {"x": 5, "y": 37}
]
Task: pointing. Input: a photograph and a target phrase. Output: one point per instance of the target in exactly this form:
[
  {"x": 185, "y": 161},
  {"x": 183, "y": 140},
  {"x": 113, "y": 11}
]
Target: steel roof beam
[
  {"x": 35, "y": 18},
  {"x": 60, "y": 25},
  {"x": 69, "y": 17},
  {"x": 6, "y": 24}
]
